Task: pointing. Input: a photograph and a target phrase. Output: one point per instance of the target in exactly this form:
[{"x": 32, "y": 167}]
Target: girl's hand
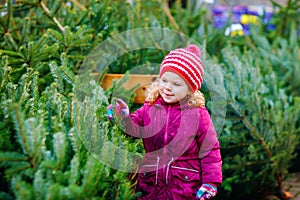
[
  {"x": 122, "y": 108},
  {"x": 206, "y": 191},
  {"x": 119, "y": 107},
  {"x": 109, "y": 111}
]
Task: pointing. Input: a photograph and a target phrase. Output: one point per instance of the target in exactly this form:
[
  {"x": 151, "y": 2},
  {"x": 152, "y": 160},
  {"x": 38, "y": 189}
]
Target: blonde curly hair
[{"x": 195, "y": 100}]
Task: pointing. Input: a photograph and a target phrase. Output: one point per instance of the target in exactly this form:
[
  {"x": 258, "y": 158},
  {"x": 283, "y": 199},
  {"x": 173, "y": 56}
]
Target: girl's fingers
[
  {"x": 109, "y": 107},
  {"x": 121, "y": 103}
]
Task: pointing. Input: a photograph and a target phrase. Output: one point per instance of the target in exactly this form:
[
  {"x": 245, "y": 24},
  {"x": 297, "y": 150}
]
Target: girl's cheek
[
  {"x": 161, "y": 86},
  {"x": 160, "y": 90}
]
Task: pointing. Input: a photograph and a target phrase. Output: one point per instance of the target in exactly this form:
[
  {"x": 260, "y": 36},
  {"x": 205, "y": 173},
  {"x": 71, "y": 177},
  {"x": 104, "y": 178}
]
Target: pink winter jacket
[{"x": 182, "y": 150}]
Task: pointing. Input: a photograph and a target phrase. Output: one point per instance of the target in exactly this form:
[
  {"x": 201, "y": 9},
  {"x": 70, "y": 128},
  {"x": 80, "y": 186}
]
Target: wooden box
[{"x": 144, "y": 81}]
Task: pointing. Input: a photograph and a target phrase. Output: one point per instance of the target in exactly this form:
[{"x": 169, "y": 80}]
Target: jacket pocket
[
  {"x": 146, "y": 182},
  {"x": 185, "y": 181}
]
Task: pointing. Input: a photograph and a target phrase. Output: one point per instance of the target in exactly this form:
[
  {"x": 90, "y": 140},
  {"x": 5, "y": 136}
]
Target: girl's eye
[
  {"x": 164, "y": 80},
  {"x": 176, "y": 84}
]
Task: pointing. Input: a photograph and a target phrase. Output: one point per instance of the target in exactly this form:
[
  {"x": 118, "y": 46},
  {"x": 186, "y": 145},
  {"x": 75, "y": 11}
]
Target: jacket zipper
[
  {"x": 165, "y": 143},
  {"x": 167, "y": 126}
]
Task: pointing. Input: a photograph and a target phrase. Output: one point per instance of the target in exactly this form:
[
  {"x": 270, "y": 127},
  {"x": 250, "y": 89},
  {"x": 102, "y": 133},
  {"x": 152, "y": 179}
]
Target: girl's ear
[{"x": 190, "y": 93}]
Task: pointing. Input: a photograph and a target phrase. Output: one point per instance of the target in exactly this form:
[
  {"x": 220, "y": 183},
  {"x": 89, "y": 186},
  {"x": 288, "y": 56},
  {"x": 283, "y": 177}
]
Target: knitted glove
[
  {"x": 206, "y": 191},
  {"x": 109, "y": 110},
  {"x": 120, "y": 107}
]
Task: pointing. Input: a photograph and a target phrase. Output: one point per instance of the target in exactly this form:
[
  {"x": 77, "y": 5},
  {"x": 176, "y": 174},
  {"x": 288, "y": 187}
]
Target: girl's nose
[{"x": 168, "y": 86}]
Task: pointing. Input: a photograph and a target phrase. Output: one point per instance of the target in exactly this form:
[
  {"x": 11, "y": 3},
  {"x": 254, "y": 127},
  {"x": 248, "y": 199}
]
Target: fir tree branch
[
  {"x": 71, "y": 109},
  {"x": 79, "y": 5},
  {"x": 67, "y": 74},
  {"x": 25, "y": 30},
  {"x": 18, "y": 169},
  {"x": 19, "y": 124},
  {"x": 11, "y": 53},
  {"x": 9, "y": 13},
  {"x": 55, "y": 35},
  {"x": 39, "y": 144},
  {"x": 247, "y": 164},
  {"x": 54, "y": 69},
  {"x": 9, "y": 40},
  {"x": 240, "y": 145},
  {"x": 60, "y": 146},
  {"x": 168, "y": 13},
  {"x": 253, "y": 130},
  {"x": 99, "y": 175},
  {"x": 150, "y": 38},
  {"x": 74, "y": 170},
  {"x": 87, "y": 174},
  {"x": 47, "y": 11},
  {"x": 277, "y": 174},
  {"x": 12, "y": 157}
]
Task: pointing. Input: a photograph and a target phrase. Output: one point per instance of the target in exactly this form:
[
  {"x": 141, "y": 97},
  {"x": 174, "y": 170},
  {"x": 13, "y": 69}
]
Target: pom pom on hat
[
  {"x": 187, "y": 64},
  {"x": 194, "y": 49}
]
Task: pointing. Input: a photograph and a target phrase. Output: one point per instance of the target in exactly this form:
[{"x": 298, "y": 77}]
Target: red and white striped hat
[{"x": 187, "y": 64}]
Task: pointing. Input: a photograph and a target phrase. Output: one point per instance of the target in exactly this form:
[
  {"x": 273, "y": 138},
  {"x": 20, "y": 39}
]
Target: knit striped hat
[{"x": 187, "y": 64}]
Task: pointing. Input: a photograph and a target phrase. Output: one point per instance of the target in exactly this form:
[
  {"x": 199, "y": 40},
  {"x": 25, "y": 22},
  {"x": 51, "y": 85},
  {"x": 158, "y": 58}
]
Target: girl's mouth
[{"x": 168, "y": 95}]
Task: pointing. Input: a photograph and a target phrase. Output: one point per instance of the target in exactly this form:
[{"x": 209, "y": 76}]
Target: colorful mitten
[
  {"x": 206, "y": 191},
  {"x": 109, "y": 110},
  {"x": 121, "y": 110}
]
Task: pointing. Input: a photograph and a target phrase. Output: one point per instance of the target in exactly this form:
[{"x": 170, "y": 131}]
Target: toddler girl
[{"x": 182, "y": 159}]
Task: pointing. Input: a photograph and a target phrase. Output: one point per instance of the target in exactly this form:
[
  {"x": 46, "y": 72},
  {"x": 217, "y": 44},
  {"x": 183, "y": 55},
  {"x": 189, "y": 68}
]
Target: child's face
[{"x": 172, "y": 87}]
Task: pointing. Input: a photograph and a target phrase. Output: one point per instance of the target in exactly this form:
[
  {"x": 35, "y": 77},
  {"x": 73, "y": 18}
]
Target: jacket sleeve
[
  {"x": 209, "y": 149},
  {"x": 134, "y": 124}
]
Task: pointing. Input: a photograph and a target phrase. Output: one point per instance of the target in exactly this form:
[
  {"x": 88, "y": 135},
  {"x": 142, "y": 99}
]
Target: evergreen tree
[{"x": 55, "y": 138}]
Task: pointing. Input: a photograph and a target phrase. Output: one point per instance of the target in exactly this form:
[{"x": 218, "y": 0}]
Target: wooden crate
[{"x": 134, "y": 79}]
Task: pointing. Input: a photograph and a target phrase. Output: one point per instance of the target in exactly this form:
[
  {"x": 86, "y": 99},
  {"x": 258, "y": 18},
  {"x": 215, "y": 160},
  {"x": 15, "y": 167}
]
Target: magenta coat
[{"x": 182, "y": 150}]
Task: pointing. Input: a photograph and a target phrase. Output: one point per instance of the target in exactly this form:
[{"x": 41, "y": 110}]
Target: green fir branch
[
  {"x": 75, "y": 140},
  {"x": 24, "y": 88},
  {"x": 2, "y": 23},
  {"x": 11, "y": 53},
  {"x": 25, "y": 30},
  {"x": 55, "y": 71},
  {"x": 56, "y": 36},
  {"x": 60, "y": 145},
  {"x": 22, "y": 189},
  {"x": 76, "y": 57},
  {"x": 75, "y": 170},
  {"x": 67, "y": 37},
  {"x": 35, "y": 94},
  {"x": 83, "y": 41},
  {"x": 18, "y": 169},
  {"x": 11, "y": 42},
  {"x": 39, "y": 135},
  {"x": 93, "y": 172},
  {"x": 48, "y": 13},
  {"x": 41, "y": 42},
  {"x": 22, "y": 135},
  {"x": 50, "y": 108},
  {"x": 9, "y": 13},
  {"x": 67, "y": 74},
  {"x": 39, "y": 185},
  {"x": 80, "y": 31},
  {"x": 7, "y": 157},
  {"x": 4, "y": 74}
]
